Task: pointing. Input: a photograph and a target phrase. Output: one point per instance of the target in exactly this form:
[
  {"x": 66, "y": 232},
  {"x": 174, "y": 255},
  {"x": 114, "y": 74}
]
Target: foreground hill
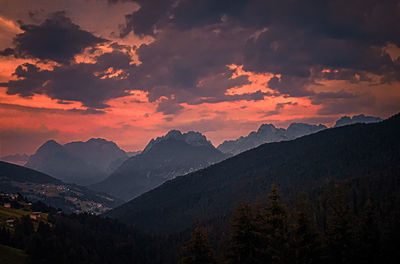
[
  {"x": 163, "y": 159},
  {"x": 78, "y": 162},
  {"x": 333, "y": 154},
  {"x": 37, "y": 186}
]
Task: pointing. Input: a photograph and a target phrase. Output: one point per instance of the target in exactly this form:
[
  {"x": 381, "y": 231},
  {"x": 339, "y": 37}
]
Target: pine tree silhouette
[
  {"x": 197, "y": 250},
  {"x": 244, "y": 243}
]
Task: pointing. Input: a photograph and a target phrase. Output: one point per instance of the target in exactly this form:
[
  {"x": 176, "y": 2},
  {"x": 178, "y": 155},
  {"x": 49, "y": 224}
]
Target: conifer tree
[
  {"x": 197, "y": 250},
  {"x": 339, "y": 231},
  {"x": 275, "y": 230},
  {"x": 369, "y": 234},
  {"x": 244, "y": 243},
  {"x": 304, "y": 235}
]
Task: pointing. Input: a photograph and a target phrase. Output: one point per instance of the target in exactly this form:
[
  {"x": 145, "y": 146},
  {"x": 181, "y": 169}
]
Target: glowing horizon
[{"x": 71, "y": 71}]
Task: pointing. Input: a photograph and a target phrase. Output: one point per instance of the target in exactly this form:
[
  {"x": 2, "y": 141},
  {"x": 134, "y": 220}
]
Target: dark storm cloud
[
  {"x": 296, "y": 39},
  {"x": 190, "y": 65},
  {"x": 83, "y": 82},
  {"x": 30, "y": 109},
  {"x": 150, "y": 14},
  {"x": 301, "y": 42},
  {"x": 278, "y": 109},
  {"x": 362, "y": 103},
  {"x": 169, "y": 107},
  {"x": 370, "y": 20},
  {"x": 57, "y": 39}
]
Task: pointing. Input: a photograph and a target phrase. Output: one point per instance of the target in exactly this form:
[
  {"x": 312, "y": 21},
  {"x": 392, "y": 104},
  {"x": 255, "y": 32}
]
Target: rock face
[
  {"x": 163, "y": 159},
  {"x": 346, "y": 120},
  {"x": 268, "y": 133},
  {"x": 78, "y": 162}
]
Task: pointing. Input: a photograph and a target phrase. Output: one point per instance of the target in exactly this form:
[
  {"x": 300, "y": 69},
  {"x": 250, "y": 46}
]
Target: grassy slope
[
  {"x": 7, "y": 213},
  {"x": 11, "y": 213},
  {"x": 9, "y": 255}
]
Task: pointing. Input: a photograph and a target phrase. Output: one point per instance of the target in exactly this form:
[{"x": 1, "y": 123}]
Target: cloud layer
[{"x": 195, "y": 62}]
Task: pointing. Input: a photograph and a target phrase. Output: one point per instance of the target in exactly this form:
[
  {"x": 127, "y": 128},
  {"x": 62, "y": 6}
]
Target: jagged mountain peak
[
  {"x": 298, "y": 125},
  {"x": 50, "y": 145},
  {"x": 267, "y": 133},
  {"x": 191, "y": 137},
  {"x": 173, "y": 134},
  {"x": 164, "y": 158},
  {"x": 96, "y": 143},
  {"x": 78, "y": 162},
  {"x": 347, "y": 120},
  {"x": 265, "y": 127}
]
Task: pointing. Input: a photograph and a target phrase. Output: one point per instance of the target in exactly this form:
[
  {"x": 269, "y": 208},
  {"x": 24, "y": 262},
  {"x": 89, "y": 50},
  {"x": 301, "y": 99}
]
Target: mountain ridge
[
  {"x": 163, "y": 159},
  {"x": 268, "y": 133},
  {"x": 78, "y": 162},
  {"x": 332, "y": 154}
]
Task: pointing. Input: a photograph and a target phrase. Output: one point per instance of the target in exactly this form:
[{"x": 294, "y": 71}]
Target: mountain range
[
  {"x": 268, "y": 133},
  {"x": 163, "y": 159},
  {"x": 99, "y": 163},
  {"x": 37, "y": 186},
  {"x": 78, "y": 162},
  {"x": 336, "y": 154}
]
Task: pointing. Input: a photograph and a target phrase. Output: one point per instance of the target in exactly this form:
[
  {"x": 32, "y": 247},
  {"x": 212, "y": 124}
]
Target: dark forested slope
[{"x": 302, "y": 164}]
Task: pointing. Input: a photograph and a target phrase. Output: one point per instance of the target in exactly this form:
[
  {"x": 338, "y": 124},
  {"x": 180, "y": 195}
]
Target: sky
[{"x": 129, "y": 71}]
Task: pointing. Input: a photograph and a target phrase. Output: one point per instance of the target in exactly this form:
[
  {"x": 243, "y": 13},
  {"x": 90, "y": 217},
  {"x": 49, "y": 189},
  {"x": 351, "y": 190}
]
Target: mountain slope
[
  {"x": 163, "y": 159},
  {"x": 265, "y": 134},
  {"x": 19, "y": 159},
  {"x": 78, "y": 162},
  {"x": 37, "y": 186},
  {"x": 297, "y": 165}
]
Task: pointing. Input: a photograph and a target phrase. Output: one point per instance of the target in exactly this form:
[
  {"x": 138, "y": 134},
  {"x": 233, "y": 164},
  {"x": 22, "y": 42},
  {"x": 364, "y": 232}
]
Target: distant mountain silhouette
[
  {"x": 99, "y": 153},
  {"x": 302, "y": 164},
  {"x": 37, "y": 186},
  {"x": 78, "y": 162},
  {"x": 265, "y": 134},
  {"x": 19, "y": 159},
  {"x": 346, "y": 120},
  {"x": 163, "y": 159},
  {"x": 268, "y": 133}
]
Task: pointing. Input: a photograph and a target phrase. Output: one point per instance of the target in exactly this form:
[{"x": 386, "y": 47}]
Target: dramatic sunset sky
[{"x": 128, "y": 71}]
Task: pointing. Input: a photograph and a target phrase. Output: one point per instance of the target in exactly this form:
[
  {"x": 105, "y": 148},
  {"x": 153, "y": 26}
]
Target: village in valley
[{"x": 14, "y": 206}]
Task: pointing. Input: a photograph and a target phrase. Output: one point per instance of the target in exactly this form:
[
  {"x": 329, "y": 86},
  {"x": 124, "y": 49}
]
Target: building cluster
[{"x": 16, "y": 201}]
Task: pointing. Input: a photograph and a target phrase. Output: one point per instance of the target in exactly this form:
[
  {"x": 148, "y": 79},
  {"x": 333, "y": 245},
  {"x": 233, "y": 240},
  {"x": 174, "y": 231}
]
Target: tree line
[
  {"x": 280, "y": 234},
  {"x": 329, "y": 225}
]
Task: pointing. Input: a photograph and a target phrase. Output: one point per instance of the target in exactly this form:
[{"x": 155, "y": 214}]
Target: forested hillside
[{"x": 300, "y": 165}]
